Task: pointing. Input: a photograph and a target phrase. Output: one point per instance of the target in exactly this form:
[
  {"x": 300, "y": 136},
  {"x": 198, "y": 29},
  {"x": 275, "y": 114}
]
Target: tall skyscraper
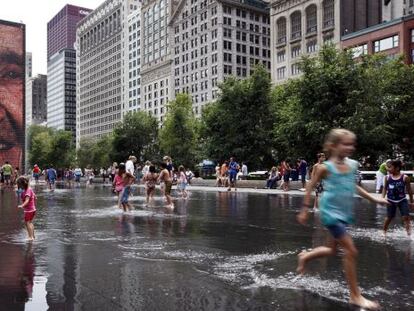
[
  {"x": 133, "y": 74},
  {"x": 61, "y": 83},
  {"x": 28, "y": 65},
  {"x": 102, "y": 60},
  {"x": 214, "y": 40},
  {"x": 61, "y": 68},
  {"x": 61, "y": 29},
  {"x": 156, "y": 56}
]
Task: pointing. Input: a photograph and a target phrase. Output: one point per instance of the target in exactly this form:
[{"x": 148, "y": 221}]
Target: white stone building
[
  {"x": 300, "y": 27},
  {"x": 156, "y": 57},
  {"x": 133, "y": 71},
  {"x": 101, "y": 63},
  {"x": 214, "y": 39}
]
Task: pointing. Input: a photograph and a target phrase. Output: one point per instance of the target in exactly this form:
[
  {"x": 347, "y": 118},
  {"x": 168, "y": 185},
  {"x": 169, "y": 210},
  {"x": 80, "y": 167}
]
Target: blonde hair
[{"x": 334, "y": 137}]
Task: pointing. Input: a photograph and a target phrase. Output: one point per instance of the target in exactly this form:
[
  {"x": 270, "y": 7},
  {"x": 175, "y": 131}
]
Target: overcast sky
[{"x": 36, "y": 14}]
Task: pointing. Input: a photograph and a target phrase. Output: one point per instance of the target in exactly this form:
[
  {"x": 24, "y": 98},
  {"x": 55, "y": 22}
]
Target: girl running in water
[{"x": 336, "y": 208}]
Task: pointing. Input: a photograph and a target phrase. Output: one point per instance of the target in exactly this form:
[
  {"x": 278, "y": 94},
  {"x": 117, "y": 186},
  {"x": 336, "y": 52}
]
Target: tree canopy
[
  {"x": 178, "y": 134},
  {"x": 136, "y": 135},
  {"x": 239, "y": 123}
]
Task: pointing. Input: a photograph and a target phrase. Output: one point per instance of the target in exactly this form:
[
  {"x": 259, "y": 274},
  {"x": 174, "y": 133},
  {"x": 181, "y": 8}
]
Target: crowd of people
[{"x": 332, "y": 178}]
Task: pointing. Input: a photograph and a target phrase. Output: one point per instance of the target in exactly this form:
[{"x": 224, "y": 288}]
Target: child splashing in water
[
  {"x": 29, "y": 205},
  {"x": 395, "y": 185},
  {"x": 336, "y": 208}
]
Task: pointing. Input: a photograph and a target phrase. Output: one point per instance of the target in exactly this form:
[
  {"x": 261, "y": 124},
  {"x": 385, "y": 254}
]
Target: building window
[
  {"x": 385, "y": 44},
  {"x": 296, "y": 25},
  {"x": 281, "y": 30},
  {"x": 281, "y": 55},
  {"x": 295, "y": 69},
  {"x": 295, "y": 51},
  {"x": 280, "y": 73},
  {"x": 412, "y": 35},
  {"x": 359, "y": 50},
  {"x": 311, "y": 46},
  {"x": 311, "y": 19},
  {"x": 328, "y": 13}
]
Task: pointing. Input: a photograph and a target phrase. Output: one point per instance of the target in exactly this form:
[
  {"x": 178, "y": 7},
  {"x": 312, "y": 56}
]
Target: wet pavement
[{"x": 215, "y": 251}]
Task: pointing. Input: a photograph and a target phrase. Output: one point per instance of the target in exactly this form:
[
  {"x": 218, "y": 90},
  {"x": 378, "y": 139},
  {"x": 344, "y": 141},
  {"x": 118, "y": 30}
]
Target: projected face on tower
[{"x": 12, "y": 81}]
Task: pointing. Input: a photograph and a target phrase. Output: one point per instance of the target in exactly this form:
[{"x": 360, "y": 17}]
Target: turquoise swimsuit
[{"x": 337, "y": 201}]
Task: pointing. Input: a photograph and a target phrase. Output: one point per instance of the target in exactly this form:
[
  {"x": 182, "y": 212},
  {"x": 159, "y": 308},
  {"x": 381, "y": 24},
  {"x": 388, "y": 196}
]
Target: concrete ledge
[{"x": 368, "y": 185}]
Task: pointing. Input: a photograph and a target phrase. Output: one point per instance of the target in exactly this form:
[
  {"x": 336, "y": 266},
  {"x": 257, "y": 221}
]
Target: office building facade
[
  {"x": 300, "y": 27},
  {"x": 61, "y": 83},
  {"x": 101, "y": 57},
  {"x": 133, "y": 70},
  {"x": 61, "y": 29},
  {"x": 36, "y": 96},
  {"x": 392, "y": 38},
  {"x": 156, "y": 58}
]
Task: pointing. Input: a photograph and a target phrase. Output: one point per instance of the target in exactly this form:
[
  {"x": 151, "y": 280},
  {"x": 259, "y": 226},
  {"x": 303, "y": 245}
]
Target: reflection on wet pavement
[{"x": 215, "y": 251}]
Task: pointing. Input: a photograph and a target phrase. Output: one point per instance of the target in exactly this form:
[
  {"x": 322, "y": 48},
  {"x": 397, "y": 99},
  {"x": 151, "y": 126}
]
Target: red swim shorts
[{"x": 28, "y": 216}]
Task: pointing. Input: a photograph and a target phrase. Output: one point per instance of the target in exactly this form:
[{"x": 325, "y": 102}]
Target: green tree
[
  {"x": 48, "y": 146},
  {"x": 239, "y": 123},
  {"x": 178, "y": 134},
  {"x": 62, "y": 151},
  {"x": 135, "y": 135},
  {"x": 337, "y": 91},
  {"x": 40, "y": 146},
  {"x": 95, "y": 153}
]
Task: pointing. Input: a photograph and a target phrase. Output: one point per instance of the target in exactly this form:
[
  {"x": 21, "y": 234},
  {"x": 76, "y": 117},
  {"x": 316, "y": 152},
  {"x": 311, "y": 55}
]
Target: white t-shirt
[
  {"x": 129, "y": 167},
  {"x": 244, "y": 170}
]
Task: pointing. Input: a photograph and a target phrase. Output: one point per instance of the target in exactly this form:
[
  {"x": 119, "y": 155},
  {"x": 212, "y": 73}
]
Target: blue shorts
[
  {"x": 77, "y": 177},
  {"x": 338, "y": 230},
  {"x": 36, "y": 176},
  {"x": 232, "y": 176},
  {"x": 125, "y": 194},
  {"x": 52, "y": 181},
  {"x": 286, "y": 177},
  {"x": 403, "y": 207}
]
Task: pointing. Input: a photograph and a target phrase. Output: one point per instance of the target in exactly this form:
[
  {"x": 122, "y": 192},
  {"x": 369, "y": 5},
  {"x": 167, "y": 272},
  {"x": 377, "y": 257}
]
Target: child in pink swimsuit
[
  {"x": 118, "y": 183},
  {"x": 29, "y": 205}
]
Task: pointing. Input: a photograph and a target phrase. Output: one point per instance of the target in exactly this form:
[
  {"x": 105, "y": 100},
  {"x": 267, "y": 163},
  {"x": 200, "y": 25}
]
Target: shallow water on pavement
[{"x": 215, "y": 251}]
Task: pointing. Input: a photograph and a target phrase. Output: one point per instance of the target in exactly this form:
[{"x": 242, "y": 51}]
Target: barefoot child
[
  {"x": 150, "y": 180},
  {"x": 395, "y": 185},
  {"x": 118, "y": 183},
  {"x": 319, "y": 185},
  {"x": 182, "y": 182},
  {"x": 165, "y": 177},
  {"x": 29, "y": 205},
  {"x": 128, "y": 179},
  {"x": 336, "y": 208}
]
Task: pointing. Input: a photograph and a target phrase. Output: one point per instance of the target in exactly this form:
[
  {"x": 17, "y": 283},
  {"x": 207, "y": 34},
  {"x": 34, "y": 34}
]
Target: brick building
[{"x": 392, "y": 38}]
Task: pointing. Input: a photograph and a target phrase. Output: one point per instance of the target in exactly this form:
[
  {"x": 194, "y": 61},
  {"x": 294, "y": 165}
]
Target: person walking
[
  {"x": 319, "y": 185},
  {"x": 303, "y": 169},
  {"x": 36, "y": 173},
  {"x": 396, "y": 185},
  {"x": 233, "y": 169},
  {"x": 7, "y": 173},
  {"x": 380, "y": 174}
]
